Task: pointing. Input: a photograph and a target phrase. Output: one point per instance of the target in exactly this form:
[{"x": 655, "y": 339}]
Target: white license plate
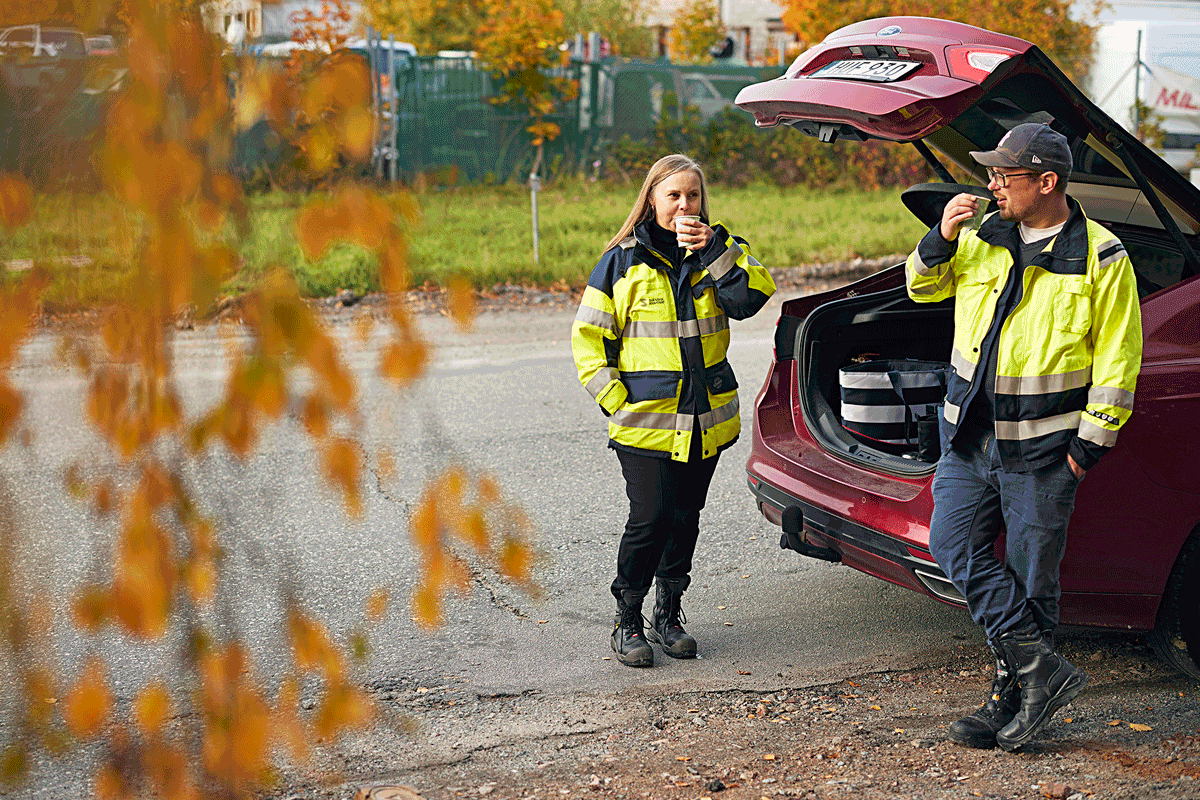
[{"x": 866, "y": 69}]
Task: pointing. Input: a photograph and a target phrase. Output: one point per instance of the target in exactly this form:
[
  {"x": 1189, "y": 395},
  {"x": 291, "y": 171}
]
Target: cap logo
[{"x": 1035, "y": 159}]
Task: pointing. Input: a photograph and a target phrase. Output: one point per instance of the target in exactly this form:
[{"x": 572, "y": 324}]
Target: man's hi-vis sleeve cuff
[{"x": 612, "y": 397}]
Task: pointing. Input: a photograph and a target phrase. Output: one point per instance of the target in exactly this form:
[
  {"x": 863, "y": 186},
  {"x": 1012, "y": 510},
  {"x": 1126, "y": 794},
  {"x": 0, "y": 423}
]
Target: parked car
[
  {"x": 101, "y": 46},
  {"x": 1133, "y": 551},
  {"x": 38, "y": 41}
]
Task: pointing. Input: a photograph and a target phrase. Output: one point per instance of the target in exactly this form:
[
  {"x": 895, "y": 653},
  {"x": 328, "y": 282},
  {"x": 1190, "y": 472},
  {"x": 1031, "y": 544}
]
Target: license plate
[{"x": 866, "y": 69}]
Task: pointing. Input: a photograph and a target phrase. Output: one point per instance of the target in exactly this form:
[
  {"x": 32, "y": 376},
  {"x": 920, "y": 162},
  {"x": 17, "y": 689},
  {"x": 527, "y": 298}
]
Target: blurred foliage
[
  {"x": 1058, "y": 27},
  {"x": 695, "y": 28},
  {"x": 621, "y": 22},
  {"x": 429, "y": 25},
  {"x": 735, "y": 153},
  {"x": 519, "y": 42},
  {"x": 1149, "y": 125},
  {"x": 211, "y": 727}
]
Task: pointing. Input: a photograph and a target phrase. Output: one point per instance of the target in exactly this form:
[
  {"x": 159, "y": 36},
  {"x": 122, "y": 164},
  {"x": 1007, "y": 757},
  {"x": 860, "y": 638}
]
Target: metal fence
[{"x": 445, "y": 115}]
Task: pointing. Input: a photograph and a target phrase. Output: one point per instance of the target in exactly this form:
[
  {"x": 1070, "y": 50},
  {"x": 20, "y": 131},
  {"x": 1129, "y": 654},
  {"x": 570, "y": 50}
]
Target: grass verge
[{"x": 484, "y": 233}]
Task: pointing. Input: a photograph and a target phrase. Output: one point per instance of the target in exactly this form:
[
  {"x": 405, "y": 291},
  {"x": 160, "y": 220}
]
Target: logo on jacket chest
[{"x": 644, "y": 303}]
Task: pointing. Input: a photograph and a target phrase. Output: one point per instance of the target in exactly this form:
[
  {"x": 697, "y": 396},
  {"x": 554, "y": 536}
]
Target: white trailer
[{"x": 1154, "y": 56}]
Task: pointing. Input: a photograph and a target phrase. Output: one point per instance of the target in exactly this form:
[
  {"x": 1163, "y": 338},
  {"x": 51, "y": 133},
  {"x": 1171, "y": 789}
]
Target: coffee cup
[{"x": 683, "y": 218}]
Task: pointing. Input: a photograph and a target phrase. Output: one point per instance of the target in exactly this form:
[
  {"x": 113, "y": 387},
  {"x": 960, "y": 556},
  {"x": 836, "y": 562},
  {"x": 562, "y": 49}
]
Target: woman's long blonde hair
[{"x": 643, "y": 210}]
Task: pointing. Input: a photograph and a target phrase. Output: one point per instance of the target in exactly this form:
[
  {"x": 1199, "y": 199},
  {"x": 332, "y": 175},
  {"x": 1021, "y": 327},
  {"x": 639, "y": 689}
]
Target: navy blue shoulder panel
[{"x": 611, "y": 268}]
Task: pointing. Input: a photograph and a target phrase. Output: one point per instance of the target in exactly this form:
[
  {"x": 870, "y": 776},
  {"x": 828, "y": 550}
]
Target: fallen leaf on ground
[
  {"x": 768, "y": 756},
  {"x": 1114, "y": 722},
  {"x": 1137, "y": 726}
]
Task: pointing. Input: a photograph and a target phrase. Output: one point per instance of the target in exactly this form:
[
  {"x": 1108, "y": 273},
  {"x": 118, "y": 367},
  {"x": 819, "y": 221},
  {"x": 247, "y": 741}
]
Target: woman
[{"x": 649, "y": 342}]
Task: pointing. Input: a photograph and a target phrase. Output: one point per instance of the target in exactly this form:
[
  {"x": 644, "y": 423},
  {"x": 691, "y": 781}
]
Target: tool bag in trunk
[{"x": 895, "y": 402}]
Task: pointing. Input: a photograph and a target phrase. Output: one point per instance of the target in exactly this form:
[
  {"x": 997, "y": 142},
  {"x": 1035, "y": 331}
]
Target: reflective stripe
[
  {"x": 655, "y": 420},
  {"x": 1033, "y": 428},
  {"x": 1091, "y": 432},
  {"x": 1111, "y": 396},
  {"x": 1044, "y": 384},
  {"x": 676, "y": 422},
  {"x": 942, "y": 282},
  {"x": 594, "y": 316},
  {"x": 602, "y": 378},
  {"x": 627, "y": 242},
  {"x": 1110, "y": 253},
  {"x": 682, "y": 329},
  {"x": 715, "y": 417},
  {"x": 875, "y": 415},
  {"x": 661, "y": 329},
  {"x": 710, "y": 325},
  {"x": 950, "y": 412},
  {"x": 919, "y": 264},
  {"x": 964, "y": 368},
  {"x": 725, "y": 261}
]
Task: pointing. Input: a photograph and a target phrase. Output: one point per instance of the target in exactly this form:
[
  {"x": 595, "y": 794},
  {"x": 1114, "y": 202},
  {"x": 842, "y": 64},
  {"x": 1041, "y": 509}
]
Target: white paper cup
[{"x": 687, "y": 217}]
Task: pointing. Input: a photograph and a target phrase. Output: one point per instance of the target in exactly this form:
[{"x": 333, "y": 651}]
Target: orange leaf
[
  {"x": 462, "y": 302},
  {"x": 152, "y": 707},
  {"x": 404, "y": 362},
  {"x": 16, "y": 201},
  {"x": 89, "y": 703}
]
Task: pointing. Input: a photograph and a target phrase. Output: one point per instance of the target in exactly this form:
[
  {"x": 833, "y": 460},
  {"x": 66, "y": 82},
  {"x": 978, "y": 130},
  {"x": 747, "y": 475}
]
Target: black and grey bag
[{"x": 895, "y": 402}]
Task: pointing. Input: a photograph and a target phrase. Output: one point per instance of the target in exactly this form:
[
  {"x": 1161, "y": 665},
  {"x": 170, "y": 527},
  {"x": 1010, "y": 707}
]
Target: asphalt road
[{"x": 503, "y": 397}]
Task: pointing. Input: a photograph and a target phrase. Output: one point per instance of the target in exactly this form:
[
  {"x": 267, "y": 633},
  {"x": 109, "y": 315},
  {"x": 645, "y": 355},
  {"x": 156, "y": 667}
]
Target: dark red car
[{"x": 1133, "y": 554}]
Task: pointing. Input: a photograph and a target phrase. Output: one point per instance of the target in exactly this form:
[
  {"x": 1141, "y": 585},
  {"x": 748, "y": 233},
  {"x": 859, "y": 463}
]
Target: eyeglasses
[{"x": 1002, "y": 178}]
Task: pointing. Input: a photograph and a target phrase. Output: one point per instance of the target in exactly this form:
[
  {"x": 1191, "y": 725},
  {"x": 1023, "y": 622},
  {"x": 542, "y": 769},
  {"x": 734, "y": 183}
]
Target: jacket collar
[
  {"x": 651, "y": 255},
  {"x": 1068, "y": 254}
]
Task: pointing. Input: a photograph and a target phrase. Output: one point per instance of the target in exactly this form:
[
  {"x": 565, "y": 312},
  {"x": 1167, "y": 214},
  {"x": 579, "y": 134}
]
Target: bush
[{"x": 734, "y": 152}]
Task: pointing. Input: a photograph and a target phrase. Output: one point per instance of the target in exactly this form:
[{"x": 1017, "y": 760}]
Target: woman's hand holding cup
[{"x": 691, "y": 233}]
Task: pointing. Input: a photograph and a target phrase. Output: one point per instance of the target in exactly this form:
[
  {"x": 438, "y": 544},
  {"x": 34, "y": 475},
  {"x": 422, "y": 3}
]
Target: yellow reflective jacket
[
  {"x": 650, "y": 340},
  {"x": 1069, "y": 352}
]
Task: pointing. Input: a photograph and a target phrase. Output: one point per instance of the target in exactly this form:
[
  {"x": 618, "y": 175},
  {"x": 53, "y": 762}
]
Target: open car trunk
[{"x": 852, "y": 330}]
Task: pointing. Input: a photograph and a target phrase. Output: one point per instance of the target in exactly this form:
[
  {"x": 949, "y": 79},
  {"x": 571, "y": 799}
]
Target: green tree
[
  {"x": 430, "y": 25},
  {"x": 622, "y": 22},
  {"x": 1050, "y": 24},
  {"x": 695, "y": 28}
]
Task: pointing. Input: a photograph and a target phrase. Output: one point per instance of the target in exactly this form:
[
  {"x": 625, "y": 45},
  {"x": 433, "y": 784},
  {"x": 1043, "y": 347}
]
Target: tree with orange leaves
[
  {"x": 209, "y": 726},
  {"x": 519, "y": 44},
  {"x": 1050, "y": 24}
]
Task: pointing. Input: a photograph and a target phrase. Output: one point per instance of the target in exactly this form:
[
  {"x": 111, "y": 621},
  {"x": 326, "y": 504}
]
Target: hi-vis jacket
[
  {"x": 649, "y": 341},
  {"x": 1068, "y": 354}
]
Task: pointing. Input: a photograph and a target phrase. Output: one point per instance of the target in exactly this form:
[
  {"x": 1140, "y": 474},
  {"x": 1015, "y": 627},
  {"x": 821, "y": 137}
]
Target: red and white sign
[{"x": 1171, "y": 93}]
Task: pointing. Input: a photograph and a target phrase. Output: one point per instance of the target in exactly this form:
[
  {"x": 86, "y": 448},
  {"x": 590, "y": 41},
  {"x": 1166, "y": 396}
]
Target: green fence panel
[{"x": 447, "y": 118}]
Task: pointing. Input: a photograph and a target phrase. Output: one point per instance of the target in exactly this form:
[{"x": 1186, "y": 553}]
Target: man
[{"x": 1047, "y": 347}]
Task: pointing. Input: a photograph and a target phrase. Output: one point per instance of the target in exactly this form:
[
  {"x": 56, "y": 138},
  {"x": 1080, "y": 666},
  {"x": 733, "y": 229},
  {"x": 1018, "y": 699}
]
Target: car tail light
[{"x": 973, "y": 63}]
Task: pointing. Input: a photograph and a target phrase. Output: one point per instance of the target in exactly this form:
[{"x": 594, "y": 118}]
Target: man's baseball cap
[{"x": 1031, "y": 145}]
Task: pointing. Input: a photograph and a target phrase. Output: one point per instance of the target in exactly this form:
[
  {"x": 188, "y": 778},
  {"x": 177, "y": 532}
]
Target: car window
[
  {"x": 66, "y": 43},
  {"x": 19, "y": 36},
  {"x": 1157, "y": 263}
]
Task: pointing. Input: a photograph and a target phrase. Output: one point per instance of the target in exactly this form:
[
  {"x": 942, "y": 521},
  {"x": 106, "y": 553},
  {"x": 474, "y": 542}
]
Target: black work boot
[
  {"x": 979, "y": 729},
  {"x": 628, "y": 640},
  {"x": 666, "y": 623},
  {"x": 1048, "y": 682}
]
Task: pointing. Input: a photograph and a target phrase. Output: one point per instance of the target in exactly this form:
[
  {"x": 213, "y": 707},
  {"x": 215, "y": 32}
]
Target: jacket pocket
[
  {"x": 720, "y": 378},
  {"x": 1073, "y": 307},
  {"x": 650, "y": 385}
]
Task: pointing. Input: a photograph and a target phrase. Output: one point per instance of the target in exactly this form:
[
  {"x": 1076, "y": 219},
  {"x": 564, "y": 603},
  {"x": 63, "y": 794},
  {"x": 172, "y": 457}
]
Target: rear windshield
[
  {"x": 985, "y": 124},
  {"x": 66, "y": 43}
]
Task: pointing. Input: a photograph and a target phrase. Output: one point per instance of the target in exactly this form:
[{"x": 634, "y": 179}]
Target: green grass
[{"x": 481, "y": 232}]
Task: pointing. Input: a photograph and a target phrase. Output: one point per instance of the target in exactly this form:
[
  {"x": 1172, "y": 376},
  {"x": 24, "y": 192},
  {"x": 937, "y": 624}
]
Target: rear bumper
[{"x": 860, "y": 547}]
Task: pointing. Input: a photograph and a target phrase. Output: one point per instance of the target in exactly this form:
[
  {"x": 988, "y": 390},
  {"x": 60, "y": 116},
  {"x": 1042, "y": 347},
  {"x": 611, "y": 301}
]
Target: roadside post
[{"x": 535, "y": 183}]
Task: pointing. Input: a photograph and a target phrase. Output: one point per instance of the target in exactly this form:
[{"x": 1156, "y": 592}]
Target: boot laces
[
  {"x": 632, "y": 619},
  {"x": 673, "y": 616}
]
